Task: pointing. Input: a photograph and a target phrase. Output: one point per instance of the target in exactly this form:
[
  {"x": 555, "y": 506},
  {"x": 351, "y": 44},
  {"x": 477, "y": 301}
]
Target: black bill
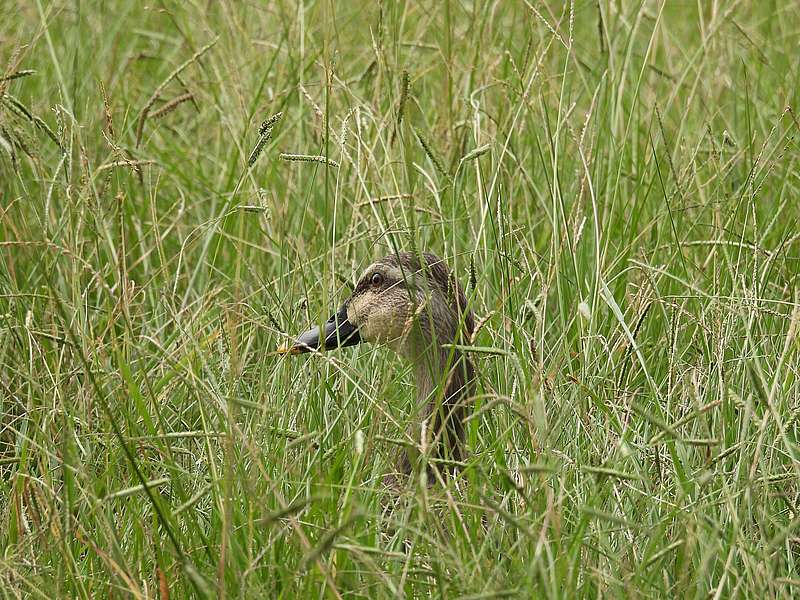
[{"x": 336, "y": 333}]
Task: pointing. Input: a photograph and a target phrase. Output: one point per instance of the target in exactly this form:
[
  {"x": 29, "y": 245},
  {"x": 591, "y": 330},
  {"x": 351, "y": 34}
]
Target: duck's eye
[{"x": 376, "y": 279}]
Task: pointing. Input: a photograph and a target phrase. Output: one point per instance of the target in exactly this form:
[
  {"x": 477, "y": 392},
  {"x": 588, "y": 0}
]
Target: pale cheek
[
  {"x": 354, "y": 317},
  {"x": 358, "y": 317},
  {"x": 382, "y": 326}
]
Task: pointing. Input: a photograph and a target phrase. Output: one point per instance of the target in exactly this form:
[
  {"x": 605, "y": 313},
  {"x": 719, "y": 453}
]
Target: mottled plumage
[{"x": 414, "y": 305}]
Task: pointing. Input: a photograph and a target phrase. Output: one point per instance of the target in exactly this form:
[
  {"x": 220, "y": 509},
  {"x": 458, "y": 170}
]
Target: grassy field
[{"x": 615, "y": 182}]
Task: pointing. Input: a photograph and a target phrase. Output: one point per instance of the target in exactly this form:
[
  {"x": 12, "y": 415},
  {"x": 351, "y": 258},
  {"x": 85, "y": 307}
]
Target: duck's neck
[{"x": 445, "y": 384}]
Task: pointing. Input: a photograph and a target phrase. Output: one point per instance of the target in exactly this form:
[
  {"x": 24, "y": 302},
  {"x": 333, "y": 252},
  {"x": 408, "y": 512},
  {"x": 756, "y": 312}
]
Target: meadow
[{"x": 186, "y": 185}]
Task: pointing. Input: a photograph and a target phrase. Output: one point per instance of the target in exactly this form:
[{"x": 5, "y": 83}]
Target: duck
[{"x": 411, "y": 303}]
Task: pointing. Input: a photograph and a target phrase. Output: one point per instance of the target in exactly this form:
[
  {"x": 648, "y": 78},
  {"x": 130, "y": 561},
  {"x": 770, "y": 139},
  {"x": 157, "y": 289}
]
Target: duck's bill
[{"x": 337, "y": 332}]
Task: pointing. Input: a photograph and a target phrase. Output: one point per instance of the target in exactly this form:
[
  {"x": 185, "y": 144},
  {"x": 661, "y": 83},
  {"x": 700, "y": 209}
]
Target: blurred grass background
[{"x": 616, "y": 183}]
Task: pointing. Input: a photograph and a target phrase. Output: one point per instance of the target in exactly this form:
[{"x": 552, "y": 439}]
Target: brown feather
[{"x": 445, "y": 376}]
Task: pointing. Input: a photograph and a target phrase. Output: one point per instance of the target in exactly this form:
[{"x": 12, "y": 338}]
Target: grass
[{"x": 619, "y": 180}]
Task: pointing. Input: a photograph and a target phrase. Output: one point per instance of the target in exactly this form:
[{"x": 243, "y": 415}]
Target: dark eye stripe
[{"x": 386, "y": 284}]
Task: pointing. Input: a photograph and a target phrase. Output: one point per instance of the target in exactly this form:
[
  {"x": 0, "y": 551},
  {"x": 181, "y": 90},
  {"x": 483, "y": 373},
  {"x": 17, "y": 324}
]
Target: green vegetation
[{"x": 620, "y": 180}]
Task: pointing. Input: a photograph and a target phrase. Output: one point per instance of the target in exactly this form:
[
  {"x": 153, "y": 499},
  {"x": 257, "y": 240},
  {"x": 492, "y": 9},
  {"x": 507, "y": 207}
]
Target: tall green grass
[{"x": 619, "y": 179}]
